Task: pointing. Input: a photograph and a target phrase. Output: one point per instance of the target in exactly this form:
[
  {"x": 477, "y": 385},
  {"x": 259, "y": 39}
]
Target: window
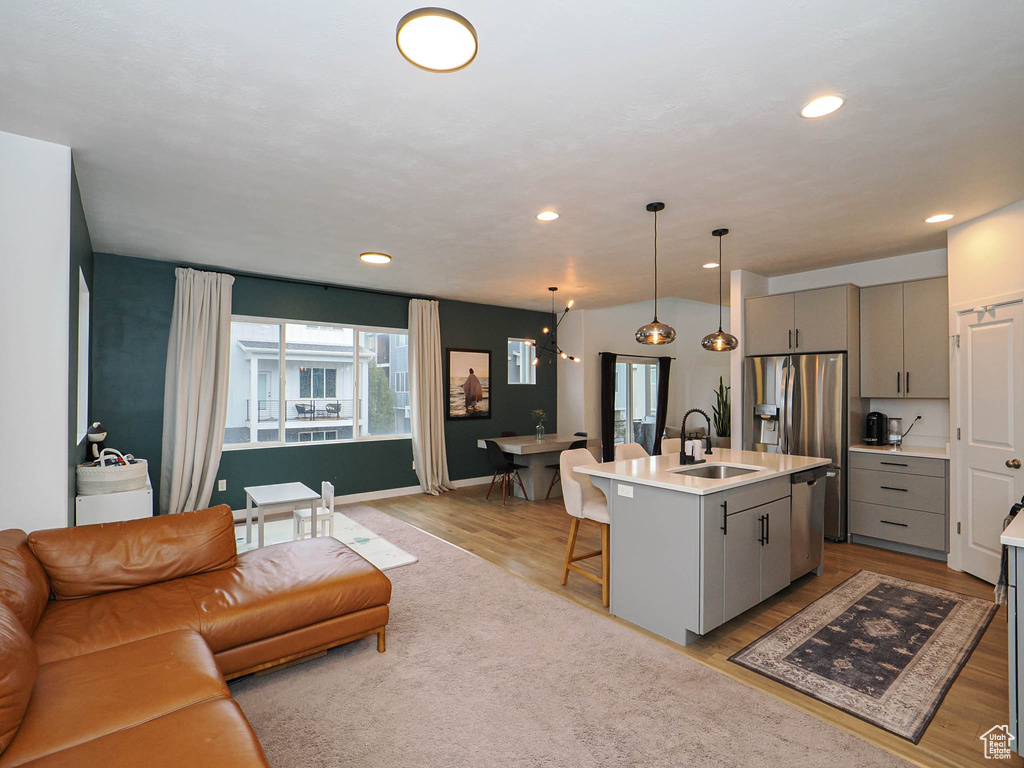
[
  {"x": 636, "y": 402},
  {"x": 521, "y": 356},
  {"x": 292, "y": 383}
]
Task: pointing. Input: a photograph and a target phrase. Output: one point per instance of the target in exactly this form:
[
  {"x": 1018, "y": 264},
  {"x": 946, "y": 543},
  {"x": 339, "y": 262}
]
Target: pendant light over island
[
  {"x": 655, "y": 332},
  {"x": 719, "y": 341}
]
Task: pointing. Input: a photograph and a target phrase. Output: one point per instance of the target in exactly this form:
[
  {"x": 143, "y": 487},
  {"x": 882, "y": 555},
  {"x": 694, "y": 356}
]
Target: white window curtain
[
  {"x": 195, "y": 389},
  {"x": 426, "y": 397}
]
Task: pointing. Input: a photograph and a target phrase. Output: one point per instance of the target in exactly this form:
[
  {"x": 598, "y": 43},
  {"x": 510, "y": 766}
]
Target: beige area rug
[
  {"x": 378, "y": 550},
  {"x": 485, "y": 669},
  {"x": 881, "y": 648}
]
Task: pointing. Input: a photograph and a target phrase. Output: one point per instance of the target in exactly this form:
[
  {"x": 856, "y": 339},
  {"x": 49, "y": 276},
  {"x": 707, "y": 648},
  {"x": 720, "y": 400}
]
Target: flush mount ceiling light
[
  {"x": 375, "y": 258},
  {"x": 719, "y": 341},
  {"x": 938, "y": 217},
  {"x": 436, "y": 39},
  {"x": 547, "y": 216},
  {"x": 551, "y": 332},
  {"x": 823, "y": 105},
  {"x": 655, "y": 332}
]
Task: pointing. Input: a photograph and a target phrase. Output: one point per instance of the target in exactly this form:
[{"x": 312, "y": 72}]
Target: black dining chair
[
  {"x": 557, "y": 474},
  {"x": 508, "y": 470}
]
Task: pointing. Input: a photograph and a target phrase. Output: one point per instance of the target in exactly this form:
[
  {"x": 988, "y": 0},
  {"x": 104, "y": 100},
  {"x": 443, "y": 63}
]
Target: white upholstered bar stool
[
  {"x": 630, "y": 451},
  {"x": 670, "y": 445},
  {"x": 584, "y": 502},
  {"x": 324, "y": 514}
]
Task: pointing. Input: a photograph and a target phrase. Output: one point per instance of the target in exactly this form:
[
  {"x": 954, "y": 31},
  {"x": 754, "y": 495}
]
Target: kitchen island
[{"x": 696, "y": 545}]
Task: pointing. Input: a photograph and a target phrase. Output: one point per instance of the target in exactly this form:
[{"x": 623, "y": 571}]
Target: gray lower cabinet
[
  {"x": 900, "y": 503},
  {"x": 1015, "y": 628},
  {"x": 756, "y": 556}
]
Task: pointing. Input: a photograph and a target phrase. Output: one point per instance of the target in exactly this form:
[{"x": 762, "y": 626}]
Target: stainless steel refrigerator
[{"x": 798, "y": 405}]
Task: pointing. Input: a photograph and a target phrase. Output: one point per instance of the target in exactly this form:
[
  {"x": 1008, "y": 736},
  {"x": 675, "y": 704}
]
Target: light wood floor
[{"x": 529, "y": 540}]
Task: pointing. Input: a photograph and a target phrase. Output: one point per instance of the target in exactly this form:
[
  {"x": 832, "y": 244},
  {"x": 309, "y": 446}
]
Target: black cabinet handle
[
  {"x": 893, "y": 464},
  {"x": 725, "y": 517},
  {"x": 890, "y": 488},
  {"x": 767, "y": 529},
  {"x": 760, "y": 531},
  {"x": 908, "y": 382},
  {"x": 889, "y": 522},
  {"x": 790, "y": 338},
  {"x": 798, "y": 338},
  {"x": 897, "y": 382}
]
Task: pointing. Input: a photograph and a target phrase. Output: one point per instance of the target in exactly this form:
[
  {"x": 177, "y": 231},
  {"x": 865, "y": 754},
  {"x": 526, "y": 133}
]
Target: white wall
[
  {"x": 895, "y": 269},
  {"x": 694, "y": 374},
  {"x": 35, "y": 205}
]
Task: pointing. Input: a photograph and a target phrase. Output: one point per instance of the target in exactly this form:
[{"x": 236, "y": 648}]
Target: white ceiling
[{"x": 287, "y": 137}]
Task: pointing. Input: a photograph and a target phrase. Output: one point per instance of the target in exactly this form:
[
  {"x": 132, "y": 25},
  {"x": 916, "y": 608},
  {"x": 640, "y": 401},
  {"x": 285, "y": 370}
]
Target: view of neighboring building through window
[
  {"x": 636, "y": 402},
  {"x": 323, "y": 372},
  {"x": 521, "y": 370}
]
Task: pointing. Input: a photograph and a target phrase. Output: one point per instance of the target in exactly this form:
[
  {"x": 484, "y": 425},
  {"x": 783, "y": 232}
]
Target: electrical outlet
[
  {"x": 222, "y": 485},
  {"x": 626, "y": 490}
]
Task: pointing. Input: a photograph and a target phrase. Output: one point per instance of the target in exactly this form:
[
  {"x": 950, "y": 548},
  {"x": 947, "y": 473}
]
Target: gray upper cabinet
[
  {"x": 793, "y": 323},
  {"x": 881, "y": 341},
  {"x": 904, "y": 340},
  {"x": 821, "y": 320},
  {"x": 926, "y": 338},
  {"x": 769, "y": 325}
]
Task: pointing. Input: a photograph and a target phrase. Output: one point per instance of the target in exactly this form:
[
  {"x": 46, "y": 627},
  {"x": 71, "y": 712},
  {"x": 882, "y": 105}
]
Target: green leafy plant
[
  {"x": 539, "y": 417},
  {"x": 723, "y": 415},
  {"x": 382, "y": 402}
]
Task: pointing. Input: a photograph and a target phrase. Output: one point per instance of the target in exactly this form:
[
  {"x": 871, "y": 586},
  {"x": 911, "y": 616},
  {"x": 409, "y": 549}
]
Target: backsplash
[{"x": 932, "y": 430}]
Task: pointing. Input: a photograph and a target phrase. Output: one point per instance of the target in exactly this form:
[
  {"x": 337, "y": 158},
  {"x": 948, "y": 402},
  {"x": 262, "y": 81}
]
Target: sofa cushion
[
  {"x": 283, "y": 587},
  {"x": 93, "y": 559},
  {"x": 99, "y": 693},
  {"x": 23, "y": 583},
  {"x": 76, "y": 627},
  {"x": 17, "y": 674},
  {"x": 214, "y": 734}
]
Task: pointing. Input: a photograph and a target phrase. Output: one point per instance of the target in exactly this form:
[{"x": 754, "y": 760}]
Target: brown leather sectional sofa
[{"x": 125, "y": 664}]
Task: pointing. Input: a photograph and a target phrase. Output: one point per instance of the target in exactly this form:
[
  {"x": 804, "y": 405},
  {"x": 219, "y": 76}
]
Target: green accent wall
[
  {"x": 132, "y": 300},
  {"x": 81, "y": 258}
]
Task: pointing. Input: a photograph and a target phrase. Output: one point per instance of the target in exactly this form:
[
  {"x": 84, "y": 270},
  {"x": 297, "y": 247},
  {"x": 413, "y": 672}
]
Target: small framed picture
[{"x": 469, "y": 384}]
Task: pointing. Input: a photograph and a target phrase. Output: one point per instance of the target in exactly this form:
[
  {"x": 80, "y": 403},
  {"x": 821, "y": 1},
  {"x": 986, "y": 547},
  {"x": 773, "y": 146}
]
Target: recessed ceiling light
[
  {"x": 375, "y": 258},
  {"x": 938, "y": 217},
  {"x": 436, "y": 39},
  {"x": 547, "y": 216},
  {"x": 711, "y": 265},
  {"x": 824, "y": 105}
]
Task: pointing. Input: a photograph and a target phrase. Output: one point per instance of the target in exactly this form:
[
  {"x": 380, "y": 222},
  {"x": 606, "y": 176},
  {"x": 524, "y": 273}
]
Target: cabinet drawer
[
  {"x": 894, "y": 462},
  {"x": 908, "y": 526},
  {"x": 892, "y": 489},
  {"x": 756, "y": 494}
]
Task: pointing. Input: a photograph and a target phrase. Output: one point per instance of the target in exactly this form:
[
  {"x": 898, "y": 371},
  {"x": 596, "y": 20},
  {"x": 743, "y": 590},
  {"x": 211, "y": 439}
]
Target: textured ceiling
[{"x": 288, "y": 137}]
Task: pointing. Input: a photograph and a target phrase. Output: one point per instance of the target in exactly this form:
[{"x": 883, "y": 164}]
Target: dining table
[{"x": 538, "y": 457}]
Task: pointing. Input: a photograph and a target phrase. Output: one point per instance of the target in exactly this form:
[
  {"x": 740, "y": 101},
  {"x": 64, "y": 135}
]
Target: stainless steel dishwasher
[{"x": 807, "y": 521}]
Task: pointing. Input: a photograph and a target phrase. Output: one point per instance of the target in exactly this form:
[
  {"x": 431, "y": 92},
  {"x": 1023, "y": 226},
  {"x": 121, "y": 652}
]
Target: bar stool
[
  {"x": 583, "y": 501},
  {"x": 670, "y": 445},
  {"x": 557, "y": 474},
  {"x": 630, "y": 451}
]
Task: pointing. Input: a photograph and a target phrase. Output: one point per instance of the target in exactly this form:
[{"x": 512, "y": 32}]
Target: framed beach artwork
[{"x": 469, "y": 384}]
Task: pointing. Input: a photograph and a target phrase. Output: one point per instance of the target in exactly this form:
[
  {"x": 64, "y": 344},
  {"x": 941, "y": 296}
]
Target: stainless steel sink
[{"x": 713, "y": 471}]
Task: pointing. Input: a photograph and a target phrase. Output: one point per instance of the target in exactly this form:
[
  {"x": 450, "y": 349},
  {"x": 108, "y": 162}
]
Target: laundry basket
[{"x": 113, "y": 477}]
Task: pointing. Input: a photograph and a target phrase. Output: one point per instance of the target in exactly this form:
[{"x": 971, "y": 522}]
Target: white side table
[
  {"x": 283, "y": 496},
  {"x": 114, "y": 507}
]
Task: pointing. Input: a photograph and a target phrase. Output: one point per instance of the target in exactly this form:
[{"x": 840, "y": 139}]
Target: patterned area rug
[{"x": 880, "y": 648}]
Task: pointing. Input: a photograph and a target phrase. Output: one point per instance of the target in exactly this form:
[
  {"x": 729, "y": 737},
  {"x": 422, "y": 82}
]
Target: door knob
[{"x": 1013, "y": 463}]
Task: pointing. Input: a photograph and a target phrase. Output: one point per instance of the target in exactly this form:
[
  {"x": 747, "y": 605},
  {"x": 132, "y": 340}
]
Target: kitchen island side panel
[{"x": 655, "y": 556}]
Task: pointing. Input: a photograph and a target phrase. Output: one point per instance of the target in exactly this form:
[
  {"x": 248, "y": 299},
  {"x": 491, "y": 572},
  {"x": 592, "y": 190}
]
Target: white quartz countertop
[
  {"x": 1013, "y": 536},
  {"x": 918, "y": 451},
  {"x": 655, "y": 470}
]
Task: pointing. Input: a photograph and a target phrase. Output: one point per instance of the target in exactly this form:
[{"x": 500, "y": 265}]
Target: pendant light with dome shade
[
  {"x": 655, "y": 332},
  {"x": 719, "y": 341}
]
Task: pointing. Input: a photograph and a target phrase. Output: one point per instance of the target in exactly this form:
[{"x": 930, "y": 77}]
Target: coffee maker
[{"x": 876, "y": 429}]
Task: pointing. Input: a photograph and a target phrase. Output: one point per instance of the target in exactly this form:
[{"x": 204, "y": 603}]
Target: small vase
[{"x": 540, "y": 431}]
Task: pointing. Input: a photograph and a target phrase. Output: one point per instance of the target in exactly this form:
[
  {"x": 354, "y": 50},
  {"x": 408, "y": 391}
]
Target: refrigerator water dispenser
[{"x": 766, "y": 424}]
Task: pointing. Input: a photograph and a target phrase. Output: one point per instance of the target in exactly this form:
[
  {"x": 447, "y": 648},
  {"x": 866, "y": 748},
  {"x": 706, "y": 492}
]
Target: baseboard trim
[{"x": 387, "y": 493}]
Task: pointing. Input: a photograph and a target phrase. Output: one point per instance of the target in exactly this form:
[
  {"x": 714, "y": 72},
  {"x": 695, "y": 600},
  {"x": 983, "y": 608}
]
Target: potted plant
[
  {"x": 723, "y": 415},
  {"x": 539, "y": 417}
]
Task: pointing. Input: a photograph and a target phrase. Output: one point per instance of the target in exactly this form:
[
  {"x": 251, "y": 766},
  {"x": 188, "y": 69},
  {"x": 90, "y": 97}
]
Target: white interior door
[{"x": 990, "y": 371}]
